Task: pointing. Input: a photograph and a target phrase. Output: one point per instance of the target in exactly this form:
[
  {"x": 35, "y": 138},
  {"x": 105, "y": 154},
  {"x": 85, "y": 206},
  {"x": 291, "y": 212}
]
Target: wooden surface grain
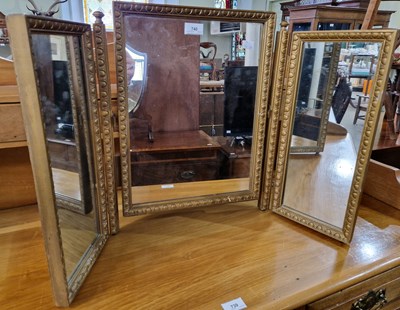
[
  {"x": 319, "y": 184},
  {"x": 16, "y": 178},
  {"x": 200, "y": 258}
]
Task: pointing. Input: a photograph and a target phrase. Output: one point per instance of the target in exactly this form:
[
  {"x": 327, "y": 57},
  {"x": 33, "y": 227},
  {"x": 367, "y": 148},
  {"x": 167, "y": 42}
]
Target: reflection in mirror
[
  {"x": 68, "y": 148},
  {"x": 136, "y": 66},
  {"x": 318, "y": 75},
  {"x": 321, "y": 186},
  {"x": 53, "y": 62},
  {"x": 5, "y": 49},
  {"x": 191, "y": 129}
]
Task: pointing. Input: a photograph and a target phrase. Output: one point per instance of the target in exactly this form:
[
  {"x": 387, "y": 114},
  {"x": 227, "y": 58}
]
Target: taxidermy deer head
[{"x": 49, "y": 12}]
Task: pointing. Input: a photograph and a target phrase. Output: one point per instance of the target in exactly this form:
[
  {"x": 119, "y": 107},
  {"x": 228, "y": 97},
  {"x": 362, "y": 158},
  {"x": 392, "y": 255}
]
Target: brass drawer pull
[
  {"x": 188, "y": 174},
  {"x": 372, "y": 301}
]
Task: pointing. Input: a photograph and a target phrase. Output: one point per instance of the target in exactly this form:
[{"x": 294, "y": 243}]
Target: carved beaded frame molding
[
  {"x": 122, "y": 9},
  {"x": 387, "y": 38},
  {"x": 100, "y": 43},
  {"x": 21, "y": 29},
  {"x": 274, "y": 114}
]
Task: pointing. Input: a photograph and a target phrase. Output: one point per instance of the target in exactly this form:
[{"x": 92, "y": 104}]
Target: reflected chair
[
  {"x": 208, "y": 50},
  {"x": 362, "y": 106}
]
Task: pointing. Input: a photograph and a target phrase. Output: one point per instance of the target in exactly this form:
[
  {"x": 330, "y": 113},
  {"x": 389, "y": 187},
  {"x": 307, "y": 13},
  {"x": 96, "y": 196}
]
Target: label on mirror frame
[
  {"x": 167, "y": 186},
  {"x": 235, "y": 304},
  {"x": 194, "y": 29}
]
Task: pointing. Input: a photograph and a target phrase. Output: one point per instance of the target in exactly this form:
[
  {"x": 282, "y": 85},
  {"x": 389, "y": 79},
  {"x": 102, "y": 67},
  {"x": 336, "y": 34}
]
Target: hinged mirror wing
[
  {"x": 321, "y": 187},
  {"x": 55, "y": 75},
  {"x": 192, "y": 123}
]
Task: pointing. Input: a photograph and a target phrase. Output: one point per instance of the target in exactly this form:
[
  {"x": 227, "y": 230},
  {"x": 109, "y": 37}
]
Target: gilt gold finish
[
  {"x": 274, "y": 112},
  {"x": 124, "y": 10},
  {"x": 344, "y": 230},
  {"x": 57, "y": 223},
  {"x": 103, "y": 75}
]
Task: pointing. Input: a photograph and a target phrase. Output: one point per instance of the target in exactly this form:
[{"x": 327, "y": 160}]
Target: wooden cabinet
[
  {"x": 175, "y": 157},
  {"x": 325, "y": 17},
  {"x": 16, "y": 181},
  {"x": 383, "y": 289},
  {"x": 187, "y": 156}
]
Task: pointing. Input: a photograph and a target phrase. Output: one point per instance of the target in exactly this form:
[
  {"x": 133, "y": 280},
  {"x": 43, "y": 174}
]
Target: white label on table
[
  {"x": 194, "y": 29},
  {"x": 167, "y": 186},
  {"x": 236, "y": 304}
]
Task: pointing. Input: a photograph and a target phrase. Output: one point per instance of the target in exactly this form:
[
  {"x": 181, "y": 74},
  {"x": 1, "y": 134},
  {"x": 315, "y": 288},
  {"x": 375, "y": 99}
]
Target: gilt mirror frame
[
  {"x": 22, "y": 29},
  {"x": 267, "y": 20},
  {"x": 387, "y": 39}
]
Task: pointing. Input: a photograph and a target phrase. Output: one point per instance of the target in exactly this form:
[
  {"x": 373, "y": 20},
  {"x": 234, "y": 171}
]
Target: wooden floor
[{"x": 198, "y": 259}]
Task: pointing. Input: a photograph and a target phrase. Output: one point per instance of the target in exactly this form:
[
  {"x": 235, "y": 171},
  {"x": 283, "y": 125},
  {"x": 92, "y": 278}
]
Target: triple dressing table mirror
[
  {"x": 321, "y": 187},
  {"x": 56, "y": 79},
  {"x": 167, "y": 161}
]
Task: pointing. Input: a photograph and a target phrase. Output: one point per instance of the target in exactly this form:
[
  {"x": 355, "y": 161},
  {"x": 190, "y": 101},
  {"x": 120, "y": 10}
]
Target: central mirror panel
[{"x": 193, "y": 93}]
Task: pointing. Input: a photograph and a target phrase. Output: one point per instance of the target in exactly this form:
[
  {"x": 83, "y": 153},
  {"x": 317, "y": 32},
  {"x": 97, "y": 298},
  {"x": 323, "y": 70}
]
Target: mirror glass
[
  {"x": 313, "y": 179},
  {"x": 192, "y": 99},
  {"x": 329, "y": 138},
  {"x": 58, "y": 69},
  {"x": 318, "y": 74},
  {"x": 5, "y": 49}
]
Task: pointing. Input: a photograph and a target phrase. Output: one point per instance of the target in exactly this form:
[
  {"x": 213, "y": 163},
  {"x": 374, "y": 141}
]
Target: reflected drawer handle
[
  {"x": 188, "y": 175},
  {"x": 372, "y": 301}
]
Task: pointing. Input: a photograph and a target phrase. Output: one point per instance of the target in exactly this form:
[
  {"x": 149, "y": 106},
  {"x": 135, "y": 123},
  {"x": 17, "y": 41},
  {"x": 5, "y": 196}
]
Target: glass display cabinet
[{"x": 326, "y": 17}]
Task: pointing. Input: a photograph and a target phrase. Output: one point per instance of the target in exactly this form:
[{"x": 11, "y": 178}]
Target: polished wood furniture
[
  {"x": 188, "y": 156},
  {"x": 16, "y": 181},
  {"x": 286, "y": 6},
  {"x": 383, "y": 177},
  {"x": 325, "y": 17},
  {"x": 174, "y": 157},
  {"x": 237, "y": 154},
  {"x": 198, "y": 259}
]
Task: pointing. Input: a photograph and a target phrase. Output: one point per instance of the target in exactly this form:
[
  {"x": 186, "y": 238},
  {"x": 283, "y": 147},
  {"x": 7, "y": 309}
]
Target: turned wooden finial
[
  {"x": 284, "y": 24},
  {"x": 99, "y": 15}
]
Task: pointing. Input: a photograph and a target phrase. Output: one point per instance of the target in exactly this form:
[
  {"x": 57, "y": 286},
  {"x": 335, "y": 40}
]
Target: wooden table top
[{"x": 200, "y": 258}]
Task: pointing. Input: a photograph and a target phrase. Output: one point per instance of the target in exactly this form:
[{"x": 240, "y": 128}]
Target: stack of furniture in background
[{"x": 16, "y": 181}]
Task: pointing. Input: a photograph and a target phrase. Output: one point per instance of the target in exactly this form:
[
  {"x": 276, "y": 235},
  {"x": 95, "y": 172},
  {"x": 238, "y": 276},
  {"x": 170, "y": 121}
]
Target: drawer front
[
  {"x": 389, "y": 281},
  {"x": 12, "y": 125},
  {"x": 174, "y": 172}
]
